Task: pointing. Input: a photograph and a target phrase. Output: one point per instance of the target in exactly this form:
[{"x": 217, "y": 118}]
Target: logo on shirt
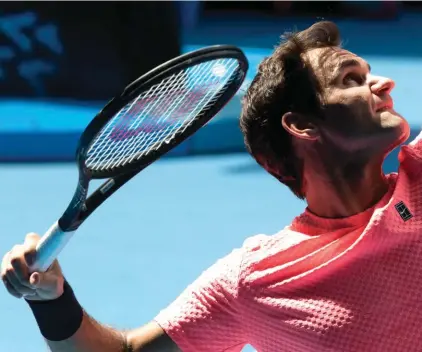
[{"x": 403, "y": 211}]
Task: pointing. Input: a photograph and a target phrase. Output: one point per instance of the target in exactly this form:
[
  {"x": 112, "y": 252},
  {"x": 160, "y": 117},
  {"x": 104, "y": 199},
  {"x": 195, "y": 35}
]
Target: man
[{"x": 344, "y": 276}]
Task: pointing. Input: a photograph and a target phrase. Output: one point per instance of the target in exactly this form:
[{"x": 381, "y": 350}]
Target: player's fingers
[
  {"x": 15, "y": 270},
  {"x": 31, "y": 240},
  {"x": 4, "y": 264},
  {"x": 18, "y": 265},
  {"x": 30, "y": 244},
  {"x": 13, "y": 280},
  {"x": 10, "y": 288},
  {"x": 20, "y": 270}
]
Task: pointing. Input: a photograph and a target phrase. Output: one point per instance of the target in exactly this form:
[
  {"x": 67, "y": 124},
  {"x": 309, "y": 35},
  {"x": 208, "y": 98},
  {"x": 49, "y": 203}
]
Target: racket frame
[
  {"x": 144, "y": 83},
  {"x": 82, "y": 206}
]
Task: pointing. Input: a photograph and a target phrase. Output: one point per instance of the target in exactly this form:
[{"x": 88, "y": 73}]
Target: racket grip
[{"x": 49, "y": 247}]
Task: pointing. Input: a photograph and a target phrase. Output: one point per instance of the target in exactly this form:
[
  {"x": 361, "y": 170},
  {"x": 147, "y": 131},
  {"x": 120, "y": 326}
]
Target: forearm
[
  {"x": 91, "y": 337},
  {"x": 67, "y": 328}
]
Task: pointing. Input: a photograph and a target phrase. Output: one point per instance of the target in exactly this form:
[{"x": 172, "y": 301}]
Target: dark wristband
[{"x": 60, "y": 318}]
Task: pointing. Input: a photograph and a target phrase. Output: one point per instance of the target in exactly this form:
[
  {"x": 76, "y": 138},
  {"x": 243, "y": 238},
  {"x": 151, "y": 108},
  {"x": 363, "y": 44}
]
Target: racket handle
[{"x": 49, "y": 247}]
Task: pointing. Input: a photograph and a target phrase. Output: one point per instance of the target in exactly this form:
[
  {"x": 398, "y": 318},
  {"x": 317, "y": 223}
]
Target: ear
[{"x": 299, "y": 126}]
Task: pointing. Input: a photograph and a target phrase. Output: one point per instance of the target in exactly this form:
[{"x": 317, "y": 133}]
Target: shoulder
[
  {"x": 261, "y": 252},
  {"x": 229, "y": 271},
  {"x": 417, "y": 142},
  {"x": 261, "y": 244},
  {"x": 414, "y": 148},
  {"x": 410, "y": 156}
]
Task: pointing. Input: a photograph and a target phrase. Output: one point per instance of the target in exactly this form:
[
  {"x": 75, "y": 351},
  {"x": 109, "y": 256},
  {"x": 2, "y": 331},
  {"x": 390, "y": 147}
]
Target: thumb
[
  {"x": 34, "y": 279},
  {"x": 43, "y": 281}
]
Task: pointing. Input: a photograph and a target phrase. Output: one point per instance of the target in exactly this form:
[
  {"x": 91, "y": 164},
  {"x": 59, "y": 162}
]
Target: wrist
[
  {"x": 50, "y": 296},
  {"x": 60, "y": 318}
]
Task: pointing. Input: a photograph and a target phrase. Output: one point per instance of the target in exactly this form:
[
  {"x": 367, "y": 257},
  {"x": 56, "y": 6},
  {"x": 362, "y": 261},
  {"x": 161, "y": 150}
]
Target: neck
[{"x": 343, "y": 190}]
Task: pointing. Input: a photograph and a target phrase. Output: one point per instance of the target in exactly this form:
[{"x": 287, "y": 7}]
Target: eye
[{"x": 353, "y": 79}]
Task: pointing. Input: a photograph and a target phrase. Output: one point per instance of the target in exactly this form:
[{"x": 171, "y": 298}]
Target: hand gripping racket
[{"x": 150, "y": 117}]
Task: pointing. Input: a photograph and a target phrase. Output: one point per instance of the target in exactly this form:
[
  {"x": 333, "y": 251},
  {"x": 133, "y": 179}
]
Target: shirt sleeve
[
  {"x": 206, "y": 316},
  {"x": 416, "y": 144}
]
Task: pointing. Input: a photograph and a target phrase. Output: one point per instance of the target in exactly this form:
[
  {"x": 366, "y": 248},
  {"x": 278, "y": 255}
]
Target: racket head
[{"x": 101, "y": 150}]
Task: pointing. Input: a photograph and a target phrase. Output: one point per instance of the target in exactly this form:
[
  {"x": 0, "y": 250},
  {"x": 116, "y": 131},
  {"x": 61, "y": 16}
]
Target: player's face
[{"x": 359, "y": 109}]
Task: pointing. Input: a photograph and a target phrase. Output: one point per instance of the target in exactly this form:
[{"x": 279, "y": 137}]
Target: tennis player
[{"x": 346, "y": 275}]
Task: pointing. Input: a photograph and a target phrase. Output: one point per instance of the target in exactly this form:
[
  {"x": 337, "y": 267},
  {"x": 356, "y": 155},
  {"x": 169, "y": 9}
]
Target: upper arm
[
  {"x": 151, "y": 338},
  {"x": 207, "y": 315}
]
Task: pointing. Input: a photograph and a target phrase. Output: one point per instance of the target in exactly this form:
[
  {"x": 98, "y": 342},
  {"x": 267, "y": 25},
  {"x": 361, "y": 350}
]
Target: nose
[{"x": 381, "y": 85}]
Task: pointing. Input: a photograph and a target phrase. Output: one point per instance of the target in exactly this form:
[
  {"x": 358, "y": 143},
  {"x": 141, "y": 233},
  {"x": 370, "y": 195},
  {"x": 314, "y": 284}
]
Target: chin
[{"x": 397, "y": 128}]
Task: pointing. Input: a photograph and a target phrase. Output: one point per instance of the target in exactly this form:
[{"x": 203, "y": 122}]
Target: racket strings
[
  {"x": 124, "y": 132},
  {"x": 125, "y": 128},
  {"x": 159, "y": 114},
  {"x": 161, "y": 110}
]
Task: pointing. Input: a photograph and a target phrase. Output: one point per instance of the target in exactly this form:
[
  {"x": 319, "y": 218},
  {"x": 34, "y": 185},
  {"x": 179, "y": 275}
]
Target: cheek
[
  {"x": 362, "y": 105},
  {"x": 350, "y": 113}
]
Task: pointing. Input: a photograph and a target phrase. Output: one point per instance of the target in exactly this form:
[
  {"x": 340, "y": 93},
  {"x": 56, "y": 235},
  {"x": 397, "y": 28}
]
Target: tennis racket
[{"x": 150, "y": 117}]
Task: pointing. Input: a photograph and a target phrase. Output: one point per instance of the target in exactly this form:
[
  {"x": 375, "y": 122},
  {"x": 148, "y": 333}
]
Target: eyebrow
[
  {"x": 352, "y": 63},
  {"x": 347, "y": 64}
]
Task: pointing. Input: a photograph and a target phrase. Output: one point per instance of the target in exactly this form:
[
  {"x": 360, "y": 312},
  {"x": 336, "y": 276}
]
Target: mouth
[{"x": 385, "y": 106}]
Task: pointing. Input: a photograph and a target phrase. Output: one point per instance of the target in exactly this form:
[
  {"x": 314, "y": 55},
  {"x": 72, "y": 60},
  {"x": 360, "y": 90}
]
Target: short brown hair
[{"x": 284, "y": 82}]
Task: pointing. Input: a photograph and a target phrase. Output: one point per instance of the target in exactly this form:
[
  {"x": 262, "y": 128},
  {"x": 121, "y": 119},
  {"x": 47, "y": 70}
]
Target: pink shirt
[{"x": 348, "y": 285}]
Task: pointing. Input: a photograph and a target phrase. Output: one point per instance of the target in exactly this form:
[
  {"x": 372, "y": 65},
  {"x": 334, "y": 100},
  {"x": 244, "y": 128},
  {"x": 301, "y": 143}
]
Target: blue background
[{"x": 160, "y": 231}]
